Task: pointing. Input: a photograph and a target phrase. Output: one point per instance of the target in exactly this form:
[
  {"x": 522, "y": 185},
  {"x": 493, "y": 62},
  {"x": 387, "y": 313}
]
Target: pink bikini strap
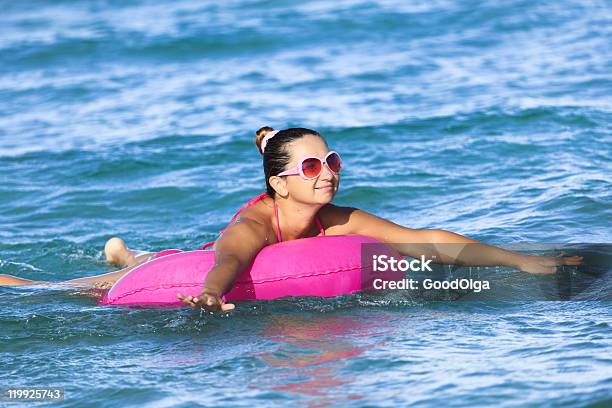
[
  {"x": 278, "y": 231},
  {"x": 321, "y": 229},
  {"x": 209, "y": 244}
]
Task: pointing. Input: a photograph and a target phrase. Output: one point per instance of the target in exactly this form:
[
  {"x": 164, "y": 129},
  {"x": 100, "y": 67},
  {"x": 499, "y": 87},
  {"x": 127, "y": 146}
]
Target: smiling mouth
[{"x": 320, "y": 188}]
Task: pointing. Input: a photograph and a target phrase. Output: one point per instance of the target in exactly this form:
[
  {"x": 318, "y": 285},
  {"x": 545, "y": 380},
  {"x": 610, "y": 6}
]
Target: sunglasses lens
[
  {"x": 311, "y": 167},
  {"x": 334, "y": 163}
]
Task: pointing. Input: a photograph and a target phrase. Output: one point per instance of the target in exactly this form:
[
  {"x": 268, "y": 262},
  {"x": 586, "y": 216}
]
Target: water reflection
[{"x": 312, "y": 353}]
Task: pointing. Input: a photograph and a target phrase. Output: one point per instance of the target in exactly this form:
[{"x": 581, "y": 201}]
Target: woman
[{"x": 302, "y": 178}]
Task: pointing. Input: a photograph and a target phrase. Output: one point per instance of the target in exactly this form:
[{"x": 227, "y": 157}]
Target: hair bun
[{"x": 260, "y": 134}]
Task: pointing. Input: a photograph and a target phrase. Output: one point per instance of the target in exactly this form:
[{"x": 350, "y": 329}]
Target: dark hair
[{"x": 276, "y": 154}]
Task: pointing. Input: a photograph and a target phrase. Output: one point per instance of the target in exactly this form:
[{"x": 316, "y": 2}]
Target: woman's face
[{"x": 319, "y": 190}]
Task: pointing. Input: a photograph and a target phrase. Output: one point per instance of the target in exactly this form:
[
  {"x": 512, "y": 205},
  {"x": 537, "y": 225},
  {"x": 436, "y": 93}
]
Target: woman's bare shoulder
[
  {"x": 260, "y": 213},
  {"x": 336, "y": 219},
  {"x": 350, "y": 220}
]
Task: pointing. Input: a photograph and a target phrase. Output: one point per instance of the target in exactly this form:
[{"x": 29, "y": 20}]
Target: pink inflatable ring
[{"x": 319, "y": 266}]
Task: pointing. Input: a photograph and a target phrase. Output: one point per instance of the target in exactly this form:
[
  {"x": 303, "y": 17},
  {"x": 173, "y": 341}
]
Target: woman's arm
[
  {"x": 234, "y": 252},
  {"x": 446, "y": 247}
]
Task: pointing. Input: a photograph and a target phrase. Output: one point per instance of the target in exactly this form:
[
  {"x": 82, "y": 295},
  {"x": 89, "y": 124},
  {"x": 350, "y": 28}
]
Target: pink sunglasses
[{"x": 311, "y": 167}]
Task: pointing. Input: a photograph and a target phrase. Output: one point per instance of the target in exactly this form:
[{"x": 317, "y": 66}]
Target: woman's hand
[
  {"x": 547, "y": 264},
  {"x": 207, "y": 299}
]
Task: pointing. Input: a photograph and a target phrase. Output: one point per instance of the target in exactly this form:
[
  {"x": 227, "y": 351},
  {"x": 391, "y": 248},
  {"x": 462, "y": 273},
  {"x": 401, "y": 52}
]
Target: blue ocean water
[{"x": 491, "y": 119}]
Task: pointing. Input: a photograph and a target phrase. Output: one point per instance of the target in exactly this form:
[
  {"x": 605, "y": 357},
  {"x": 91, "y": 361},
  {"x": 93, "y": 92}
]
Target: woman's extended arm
[
  {"x": 448, "y": 247},
  {"x": 234, "y": 251}
]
